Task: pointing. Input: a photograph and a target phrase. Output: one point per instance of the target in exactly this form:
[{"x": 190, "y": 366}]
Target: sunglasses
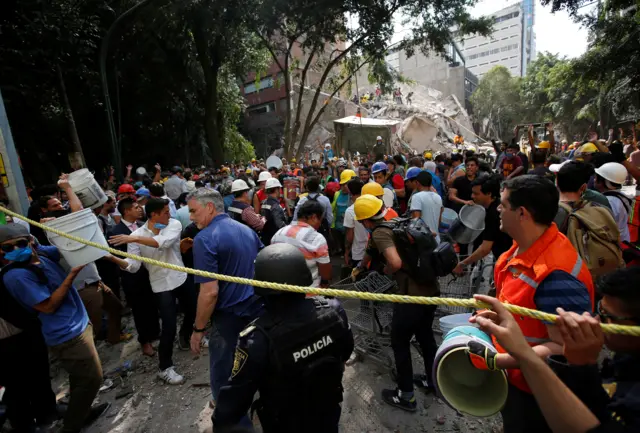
[
  {"x": 604, "y": 315},
  {"x": 20, "y": 243}
]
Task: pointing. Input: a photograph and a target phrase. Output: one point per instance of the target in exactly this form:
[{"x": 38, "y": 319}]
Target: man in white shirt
[
  {"x": 159, "y": 239},
  {"x": 176, "y": 184},
  {"x": 356, "y": 235},
  {"x": 426, "y": 204}
]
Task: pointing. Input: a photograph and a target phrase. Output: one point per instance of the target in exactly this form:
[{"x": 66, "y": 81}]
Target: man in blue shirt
[
  {"x": 40, "y": 285},
  {"x": 226, "y": 247}
]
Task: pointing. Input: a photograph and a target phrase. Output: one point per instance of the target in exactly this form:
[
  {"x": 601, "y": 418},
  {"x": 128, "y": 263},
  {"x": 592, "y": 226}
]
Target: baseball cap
[
  {"x": 126, "y": 188},
  {"x": 554, "y": 168},
  {"x": 9, "y": 232}
]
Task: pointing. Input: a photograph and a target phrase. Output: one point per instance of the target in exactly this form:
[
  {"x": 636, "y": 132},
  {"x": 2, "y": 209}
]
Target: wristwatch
[{"x": 195, "y": 329}]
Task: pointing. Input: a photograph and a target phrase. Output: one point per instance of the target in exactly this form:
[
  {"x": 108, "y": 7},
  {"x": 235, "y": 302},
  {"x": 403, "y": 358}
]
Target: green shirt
[{"x": 596, "y": 197}]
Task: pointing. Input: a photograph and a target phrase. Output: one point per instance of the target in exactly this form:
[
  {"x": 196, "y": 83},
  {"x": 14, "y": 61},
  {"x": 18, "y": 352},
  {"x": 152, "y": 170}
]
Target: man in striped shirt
[{"x": 303, "y": 234}]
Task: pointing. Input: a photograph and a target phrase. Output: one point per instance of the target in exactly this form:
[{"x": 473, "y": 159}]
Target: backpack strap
[{"x": 626, "y": 201}]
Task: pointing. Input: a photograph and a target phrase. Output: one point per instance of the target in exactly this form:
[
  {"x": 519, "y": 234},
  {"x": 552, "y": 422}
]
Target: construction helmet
[
  {"x": 378, "y": 138},
  {"x": 367, "y": 206},
  {"x": 412, "y": 173},
  {"x": 282, "y": 264},
  {"x": 428, "y": 156},
  {"x": 239, "y": 185},
  {"x": 273, "y": 183},
  {"x": 587, "y": 148},
  {"x": 544, "y": 145},
  {"x": 378, "y": 167},
  {"x": 613, "y": 172},
  {"x": 373, "y": 188},
  {"x": 346, "y": 176},
  {"x": 293, "y": 160},
  {"x": 264, "y": 176}
]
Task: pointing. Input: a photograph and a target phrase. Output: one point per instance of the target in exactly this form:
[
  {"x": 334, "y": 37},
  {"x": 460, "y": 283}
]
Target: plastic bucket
[
  {"x": 83, "y": 224},
  {"x": 448, "y": 217},
  {"x": 87, "y": 189},
  {"x": 447, "y": 323},
  {"x": 461, "y": 385}
]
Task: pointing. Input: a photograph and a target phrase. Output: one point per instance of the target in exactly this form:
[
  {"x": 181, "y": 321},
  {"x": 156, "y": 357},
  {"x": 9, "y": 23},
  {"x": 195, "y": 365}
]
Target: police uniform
[
  {"x": 275, "y": 219},
  {"x": 293, "y": 356}
]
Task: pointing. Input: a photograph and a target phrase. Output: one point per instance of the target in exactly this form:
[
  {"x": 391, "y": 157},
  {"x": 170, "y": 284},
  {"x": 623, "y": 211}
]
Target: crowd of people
[{"x": 562, "y": 233}]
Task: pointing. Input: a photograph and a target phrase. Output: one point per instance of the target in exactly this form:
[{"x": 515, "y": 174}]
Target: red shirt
[{"x": 508, "y": 166}]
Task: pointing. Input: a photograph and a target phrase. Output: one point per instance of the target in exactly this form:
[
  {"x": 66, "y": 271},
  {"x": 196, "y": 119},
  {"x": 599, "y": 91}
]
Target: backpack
[
  {"x": 594, "y": 234},
  {"x": 419, "y": 250}
]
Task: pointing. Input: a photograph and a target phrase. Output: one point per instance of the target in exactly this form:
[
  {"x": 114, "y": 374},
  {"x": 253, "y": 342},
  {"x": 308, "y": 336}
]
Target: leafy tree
[
  {"x": 497, "y": 103},
  {"x": 321, "y": 45}
]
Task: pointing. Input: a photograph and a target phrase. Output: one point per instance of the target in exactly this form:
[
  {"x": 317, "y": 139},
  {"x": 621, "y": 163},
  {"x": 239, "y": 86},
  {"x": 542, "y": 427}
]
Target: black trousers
[
  {"x": 24, "y": 371},
  {"x": 409, "y": 320},
  {"x": 521, "y": 413},
  {"x": 144, "y": 308},
  {"x": 187, "y": 295}
]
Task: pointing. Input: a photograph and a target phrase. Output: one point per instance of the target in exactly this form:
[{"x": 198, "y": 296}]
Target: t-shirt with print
[
  {"x": 383, "y": 238},
  {"x": 360, "y": 235},
  {"x": 311, "y": 243},
  {"x": 509, "y": 165}
]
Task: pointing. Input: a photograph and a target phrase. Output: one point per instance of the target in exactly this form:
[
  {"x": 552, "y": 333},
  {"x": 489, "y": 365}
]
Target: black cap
[
  {"x": 12, "y": 231},
  {"x": 283, "y": 264}
]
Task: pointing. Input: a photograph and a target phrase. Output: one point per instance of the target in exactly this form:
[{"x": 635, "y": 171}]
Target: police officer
[
  {"x": 241, "y": 210},
  {"x": 271, "y": 210},
  {"x": 293, "y": 355}
]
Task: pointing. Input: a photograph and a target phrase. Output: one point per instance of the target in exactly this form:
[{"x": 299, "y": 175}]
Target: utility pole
[{"x": 10, "y": 171}]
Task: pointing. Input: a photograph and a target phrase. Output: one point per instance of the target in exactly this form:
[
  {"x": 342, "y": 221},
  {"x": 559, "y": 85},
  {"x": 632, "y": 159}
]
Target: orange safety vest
[{"x": 517, "y": 278}]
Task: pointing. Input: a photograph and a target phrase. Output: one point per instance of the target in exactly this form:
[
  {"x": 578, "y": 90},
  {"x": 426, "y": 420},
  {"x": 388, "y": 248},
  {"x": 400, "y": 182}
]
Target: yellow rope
[{"x": 452, "y": 302}]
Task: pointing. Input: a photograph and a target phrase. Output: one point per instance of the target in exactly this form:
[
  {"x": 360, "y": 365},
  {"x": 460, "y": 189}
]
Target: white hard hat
[
  {"x": 141, "y": 171},
  {"x": 239, "y": 185},
  {"x": 264, "y": 176},
  {"x": 613, "y": 172},
  {"x": 327, "y": 145},
  {"x": 379, "y": 138},
  {"x": 273, "y": 183}
]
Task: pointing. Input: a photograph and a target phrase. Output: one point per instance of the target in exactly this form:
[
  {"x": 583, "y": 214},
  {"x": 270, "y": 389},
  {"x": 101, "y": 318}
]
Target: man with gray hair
[{"x": 227, "y": 247}]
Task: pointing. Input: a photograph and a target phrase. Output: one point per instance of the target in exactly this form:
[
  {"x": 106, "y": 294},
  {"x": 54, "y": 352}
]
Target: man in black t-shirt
[
  {"x": 486, "y": 192},
  {"x": 460, "y": 191}
]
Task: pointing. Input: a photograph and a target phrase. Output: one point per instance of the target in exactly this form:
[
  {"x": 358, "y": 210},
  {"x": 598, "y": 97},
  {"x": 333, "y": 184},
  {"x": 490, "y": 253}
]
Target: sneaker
[
  {"x": 422, "y": 382},
  {"x": 394, "y": 398},
  {"x": 184, "y": 343},
  {"x": 96, "y": 412},
  {"x": 170, "y": 376}
]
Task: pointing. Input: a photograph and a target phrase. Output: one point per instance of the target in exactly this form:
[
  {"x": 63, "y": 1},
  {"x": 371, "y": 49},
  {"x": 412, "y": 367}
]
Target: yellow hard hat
[
  {"x": 428, "y": 155},
  {"x": 572, "y": 146},
  {"x": 544, "y": 145},
  {"x": 293, "y": 160},
  {"x": 346, "y": 176},
  {"x": 367, "y": 206},
  {"x": 372, "y": 188},
  {"x": 248, "y": 171},
  {"x": 588, "y": 148}
]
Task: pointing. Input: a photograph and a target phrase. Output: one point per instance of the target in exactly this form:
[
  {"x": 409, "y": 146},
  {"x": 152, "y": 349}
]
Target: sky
[{"x": 555, "y": 33}]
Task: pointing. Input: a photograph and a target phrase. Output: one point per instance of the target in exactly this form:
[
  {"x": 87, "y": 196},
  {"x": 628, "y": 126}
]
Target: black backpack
[
  {"x": 10, "y": 309},
  {"x": 419, "y": 250}
]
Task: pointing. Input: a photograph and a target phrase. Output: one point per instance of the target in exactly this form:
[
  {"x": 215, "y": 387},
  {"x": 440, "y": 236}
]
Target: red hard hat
[{"x": 126, "y": 188}]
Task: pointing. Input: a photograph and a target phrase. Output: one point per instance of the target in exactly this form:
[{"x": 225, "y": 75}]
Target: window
[
  {"x": 507, "y": 17},
  {"x": 262, "y": 108},
  {"x": 514, "y": 36},
  {"x": 265, "y": 83}
]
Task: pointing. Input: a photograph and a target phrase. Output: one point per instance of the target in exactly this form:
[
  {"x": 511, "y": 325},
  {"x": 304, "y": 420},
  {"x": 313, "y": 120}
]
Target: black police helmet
[{"x": 284, "y": 264}]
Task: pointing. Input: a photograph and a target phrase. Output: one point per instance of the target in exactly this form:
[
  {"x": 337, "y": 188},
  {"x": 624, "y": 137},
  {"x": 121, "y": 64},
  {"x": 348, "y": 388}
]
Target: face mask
[
  {"x": 160, "y": 226},
  {"x": 19, "y": 255}
]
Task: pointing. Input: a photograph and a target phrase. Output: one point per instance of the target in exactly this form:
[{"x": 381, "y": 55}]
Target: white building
[{"x": 512, "y": 44}]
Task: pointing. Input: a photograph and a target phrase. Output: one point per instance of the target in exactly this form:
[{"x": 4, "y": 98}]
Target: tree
[
  {"x": 321, "y": 45},
  {"x": 497, "y": 103}
]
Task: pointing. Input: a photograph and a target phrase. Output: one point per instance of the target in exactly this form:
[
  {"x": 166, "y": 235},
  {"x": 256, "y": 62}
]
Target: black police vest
[
  {"x": 305, "y": 369},
  {"x": 235, "y": 211},
  {"x": 266, "y": 210}
]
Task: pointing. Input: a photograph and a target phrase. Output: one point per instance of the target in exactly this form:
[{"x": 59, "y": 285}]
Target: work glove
[
  {"x": 481, "y": 356},
  {"x": 355, "y": 272}
]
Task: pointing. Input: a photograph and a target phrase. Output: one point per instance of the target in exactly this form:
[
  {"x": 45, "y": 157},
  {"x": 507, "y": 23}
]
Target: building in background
[
  {"x": 434, "y": 71},
  {"x": 512, "y": 44}
]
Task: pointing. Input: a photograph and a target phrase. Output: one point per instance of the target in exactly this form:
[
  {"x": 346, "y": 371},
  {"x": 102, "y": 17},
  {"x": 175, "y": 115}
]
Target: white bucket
[
  {"x": 448, "y": 217},
  {"x": 83, "y": 224},
  {"x": 447, "y": 323},
  {"x": 87, "y": 189}
]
